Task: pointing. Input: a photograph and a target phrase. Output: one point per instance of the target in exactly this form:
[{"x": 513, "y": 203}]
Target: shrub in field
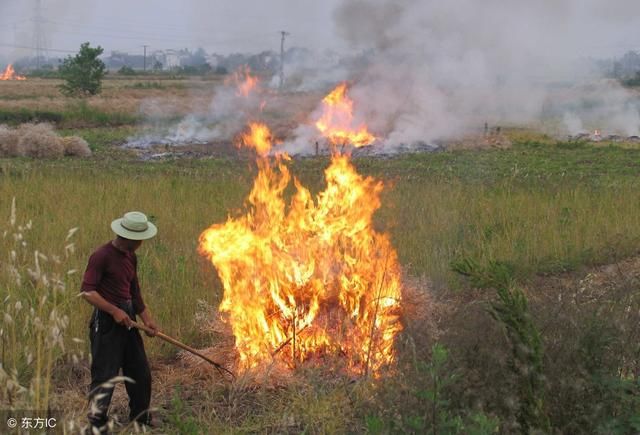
[
  {"x": 418, "y": 399},
  {"x": 557, "y": 358},
  {"x": 511, "y": 310},
  {"x": 83, "y": 73},
  {"x": 75, "y": 146}
]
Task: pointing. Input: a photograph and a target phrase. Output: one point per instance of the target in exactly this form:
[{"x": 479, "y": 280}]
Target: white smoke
[
  {"x": 442, "y": 69},
  {"x": 228, "y": 113}
]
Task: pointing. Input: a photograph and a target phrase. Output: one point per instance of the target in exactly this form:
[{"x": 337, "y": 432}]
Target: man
[{"x": 111, "y": 285}]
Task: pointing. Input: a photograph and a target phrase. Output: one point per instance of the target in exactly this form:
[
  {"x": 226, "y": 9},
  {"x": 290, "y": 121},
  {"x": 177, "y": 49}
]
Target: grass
[
  {"x": 538, "y": 207},
  {"x": 101, "y": 138},
  {"x": 76, "y": 115},
  {"x": 541, "y": 218}
]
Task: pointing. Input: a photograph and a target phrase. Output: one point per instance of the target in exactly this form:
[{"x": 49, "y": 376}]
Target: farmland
[{"x": 523, "y": 261}]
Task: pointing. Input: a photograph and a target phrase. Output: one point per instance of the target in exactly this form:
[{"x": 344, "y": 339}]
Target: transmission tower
[
  {"x": 39, "y": 39},
  {"x": 284, "y": 35}
]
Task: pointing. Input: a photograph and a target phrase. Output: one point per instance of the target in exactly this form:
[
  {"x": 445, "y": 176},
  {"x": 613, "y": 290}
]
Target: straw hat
[{"x": 134, "y": 226}]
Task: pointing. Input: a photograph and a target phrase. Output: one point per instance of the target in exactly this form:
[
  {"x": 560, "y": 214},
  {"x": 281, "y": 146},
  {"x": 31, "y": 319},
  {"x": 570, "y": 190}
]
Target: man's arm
[
  {"x": 94, "y": 298},
  {"x": 148, "y": 321},
  {"x": 138, "y": 304}
]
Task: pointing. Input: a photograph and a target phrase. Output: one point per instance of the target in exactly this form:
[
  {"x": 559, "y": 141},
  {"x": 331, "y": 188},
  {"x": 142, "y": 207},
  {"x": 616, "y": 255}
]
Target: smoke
[
  {"x": 238, "y": 100},
  {"x": 442, "y": 69}
]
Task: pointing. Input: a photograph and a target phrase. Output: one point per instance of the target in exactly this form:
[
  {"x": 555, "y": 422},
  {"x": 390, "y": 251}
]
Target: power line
[
  {"x": 133, "y": 35},
  {"x": 27, "y": 47}
]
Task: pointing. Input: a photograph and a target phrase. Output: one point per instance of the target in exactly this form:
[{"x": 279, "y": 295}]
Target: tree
[
  {"x": 126, "y": 71},
  {"x": 83, "y": 73}
]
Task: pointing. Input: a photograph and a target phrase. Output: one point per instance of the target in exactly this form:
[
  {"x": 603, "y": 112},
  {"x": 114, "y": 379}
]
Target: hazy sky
[
  {"x": 220, "y": 26},
  {"x": 239, "y": 25}
]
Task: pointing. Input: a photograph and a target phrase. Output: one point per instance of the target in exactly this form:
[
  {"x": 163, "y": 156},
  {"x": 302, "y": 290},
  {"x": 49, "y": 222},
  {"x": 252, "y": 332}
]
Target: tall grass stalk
[{"x": 34, "y": 319}]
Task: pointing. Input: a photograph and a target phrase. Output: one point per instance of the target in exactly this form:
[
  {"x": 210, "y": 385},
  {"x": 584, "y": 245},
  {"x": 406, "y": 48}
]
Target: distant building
[{"x": 172, "y": 59}]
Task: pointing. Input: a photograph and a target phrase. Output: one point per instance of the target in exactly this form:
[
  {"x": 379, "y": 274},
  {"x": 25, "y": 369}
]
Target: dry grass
[
  {"x": 534, "y": 223},
  {"x": 75, "y": 146},
  {"x": 39, "y": 141},
  {"x": 9, "y": 140},
  {"x": 175, "y": 98}
]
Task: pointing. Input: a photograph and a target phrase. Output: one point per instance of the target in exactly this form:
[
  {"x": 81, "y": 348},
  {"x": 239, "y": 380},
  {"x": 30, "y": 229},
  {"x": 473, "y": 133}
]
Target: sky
[
  {"x": 219, "y": 26},
  {"x": 254, "y": 25}
]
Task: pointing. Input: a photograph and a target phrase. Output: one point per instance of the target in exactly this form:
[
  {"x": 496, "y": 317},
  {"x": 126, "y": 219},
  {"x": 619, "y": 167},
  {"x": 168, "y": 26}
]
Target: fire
[
  {"x": 258, "y": 137},
  {"x": 311, "y": 278},
  {"x": 336, "y": 121},
  {"x": 245, "y": 82},
  {"x": 10, "y": 74}
]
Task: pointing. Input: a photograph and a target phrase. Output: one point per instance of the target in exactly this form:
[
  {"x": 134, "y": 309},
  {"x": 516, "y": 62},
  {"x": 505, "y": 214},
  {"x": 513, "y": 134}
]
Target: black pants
[{"x": 114, "y": 347}]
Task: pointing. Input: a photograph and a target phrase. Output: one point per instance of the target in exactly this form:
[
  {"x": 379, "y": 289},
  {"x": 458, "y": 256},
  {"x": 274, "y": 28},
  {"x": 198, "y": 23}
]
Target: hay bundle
[
  {"x": 9, "y": 143},
  {"x": 40, "y": 141},
  {"x": 75, "y": 146}
]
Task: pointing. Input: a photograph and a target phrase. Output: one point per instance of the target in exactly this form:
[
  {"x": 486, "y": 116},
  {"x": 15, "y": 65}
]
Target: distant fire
[
  {"x": 311, "y": 278},
  {"x": 336, "y": 122},
  {"x": 244, "y": 81},
  {"x": 10, "y": 74}
]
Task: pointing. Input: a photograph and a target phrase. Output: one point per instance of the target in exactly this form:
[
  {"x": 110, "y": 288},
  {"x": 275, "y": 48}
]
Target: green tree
[{"x": 83, "y": 73}]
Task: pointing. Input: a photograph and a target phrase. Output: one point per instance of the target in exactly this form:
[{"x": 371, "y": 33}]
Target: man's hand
[
  {"x": 121, "y": 318},
  {"x": 151, "y": 325}
]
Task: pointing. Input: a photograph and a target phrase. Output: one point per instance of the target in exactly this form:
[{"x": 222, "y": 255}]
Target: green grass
[
  {"x": 102, "y": 139},
  {"x": 538, "y": 208},
  {"x": 146, "y": 85},
  {"x": 75, "y": 115}
]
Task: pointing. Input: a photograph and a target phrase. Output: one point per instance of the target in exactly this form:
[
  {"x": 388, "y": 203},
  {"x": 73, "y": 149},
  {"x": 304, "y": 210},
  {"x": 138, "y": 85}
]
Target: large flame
[
  {"x": 311, "y": 278},
  {"x": 336, "y": 122},
  {"x": 10, "y": 74}
]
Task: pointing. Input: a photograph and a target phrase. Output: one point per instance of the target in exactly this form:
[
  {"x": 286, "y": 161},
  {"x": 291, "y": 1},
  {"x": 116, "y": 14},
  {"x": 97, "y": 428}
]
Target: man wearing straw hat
[{"x": 111, "y": 285}]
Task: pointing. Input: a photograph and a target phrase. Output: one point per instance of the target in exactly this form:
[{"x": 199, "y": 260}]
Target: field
[{"x": 523, "y": 264}]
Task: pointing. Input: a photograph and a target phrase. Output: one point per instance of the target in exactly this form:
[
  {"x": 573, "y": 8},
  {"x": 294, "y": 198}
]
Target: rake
[{"x": 181, "y": 345}]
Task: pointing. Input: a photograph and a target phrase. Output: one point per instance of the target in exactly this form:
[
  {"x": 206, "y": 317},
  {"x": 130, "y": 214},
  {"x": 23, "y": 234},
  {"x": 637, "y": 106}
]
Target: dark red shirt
[{"x": 113, "y": 274}]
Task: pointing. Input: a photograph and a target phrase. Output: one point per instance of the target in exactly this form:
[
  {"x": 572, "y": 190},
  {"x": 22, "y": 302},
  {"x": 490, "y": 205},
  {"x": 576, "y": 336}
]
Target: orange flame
[
  {"x": 258, "y": 138},
  {"x": 10, "y": 74},
  {"x": 245, "y": 82},
  {"x": 336, "y": 122},
  {"x": 310, "y": 278}
]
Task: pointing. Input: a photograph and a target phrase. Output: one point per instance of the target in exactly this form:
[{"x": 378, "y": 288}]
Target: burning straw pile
[{"x": 310, "y": 281}]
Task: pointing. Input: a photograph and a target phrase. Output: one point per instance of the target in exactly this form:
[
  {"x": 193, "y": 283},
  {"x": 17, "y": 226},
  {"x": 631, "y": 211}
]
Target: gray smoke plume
[{"x": 442, "y": 69}]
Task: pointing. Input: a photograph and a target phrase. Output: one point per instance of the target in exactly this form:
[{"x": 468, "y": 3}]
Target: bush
[
  {"x": 126, "y": 71},
  {"x": 83, "y": 73}
]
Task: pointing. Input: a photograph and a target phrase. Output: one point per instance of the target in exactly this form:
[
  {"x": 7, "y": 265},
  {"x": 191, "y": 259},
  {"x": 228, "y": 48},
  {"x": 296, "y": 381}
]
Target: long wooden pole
[{"x": 181, "y": 345}]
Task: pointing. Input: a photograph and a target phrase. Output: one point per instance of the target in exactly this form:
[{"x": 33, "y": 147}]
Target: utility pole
[
  {"x": 144, "y": 67},
  {"x": 284, "y": 34}
]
